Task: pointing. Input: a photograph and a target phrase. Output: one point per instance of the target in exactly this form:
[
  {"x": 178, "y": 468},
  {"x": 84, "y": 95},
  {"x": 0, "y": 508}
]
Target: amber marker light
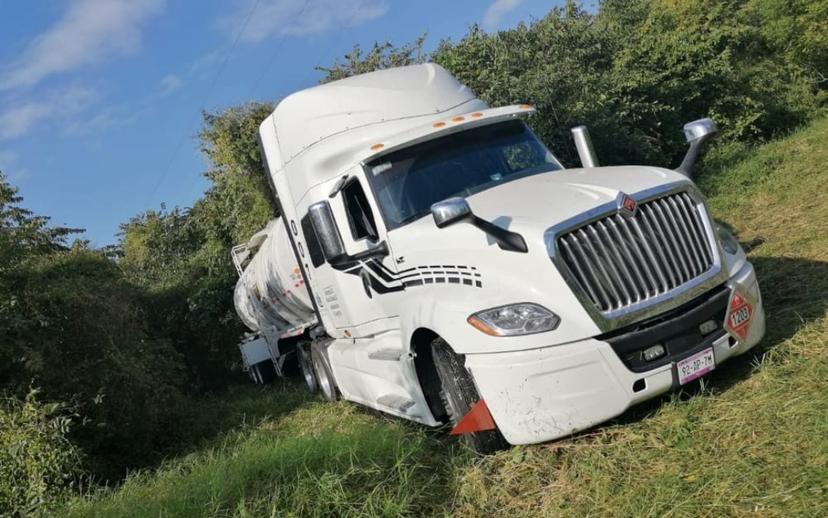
[
  {"x": 377, "y": 147},
  {"x": 481, "y": 326},
  {"x": 439, "y": 124},
  {"x": 458, "y": 119},
  {"x": 526, "y": 106},
  {"x": 476, "y": 115}
]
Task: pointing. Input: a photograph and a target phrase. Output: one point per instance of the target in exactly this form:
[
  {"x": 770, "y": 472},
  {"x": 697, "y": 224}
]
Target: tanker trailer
[{"x": 271, "y": 300}]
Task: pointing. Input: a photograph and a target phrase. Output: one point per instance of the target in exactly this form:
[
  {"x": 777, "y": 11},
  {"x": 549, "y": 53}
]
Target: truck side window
[
  {"x": 360, "y": 216},
  {"x": 314, "y": 248}
]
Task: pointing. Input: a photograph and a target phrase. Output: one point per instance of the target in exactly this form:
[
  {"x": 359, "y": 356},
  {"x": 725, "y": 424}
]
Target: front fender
[{"x": 447, "y": 318}]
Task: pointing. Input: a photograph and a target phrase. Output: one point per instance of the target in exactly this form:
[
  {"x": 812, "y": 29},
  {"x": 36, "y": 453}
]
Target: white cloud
[
  {"x": 300, "y": 17},
  {"x": 496, "y": 11},
  {"x": 20, "y": 119},
  {"x": 89, "y": 32},
  {"x": 23, "y": 117},
  {"x": 169, "y": 84},
  {"x": 106, "y": 118}
]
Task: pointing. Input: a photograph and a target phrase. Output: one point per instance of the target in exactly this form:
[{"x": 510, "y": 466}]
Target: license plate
[{"x": 696, "y": 366}]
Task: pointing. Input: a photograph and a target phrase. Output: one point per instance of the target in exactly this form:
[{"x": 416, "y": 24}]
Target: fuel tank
[{"x": 271, "y": 290}]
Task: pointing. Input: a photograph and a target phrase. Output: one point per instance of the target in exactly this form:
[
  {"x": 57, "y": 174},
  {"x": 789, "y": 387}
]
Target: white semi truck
[{"x": 435, "y": 261}]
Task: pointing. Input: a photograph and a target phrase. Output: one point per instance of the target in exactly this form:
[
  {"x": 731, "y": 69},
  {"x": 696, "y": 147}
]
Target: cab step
[
  {"x": 396, "y": 402},
  {"x": 389, "y": 355}
]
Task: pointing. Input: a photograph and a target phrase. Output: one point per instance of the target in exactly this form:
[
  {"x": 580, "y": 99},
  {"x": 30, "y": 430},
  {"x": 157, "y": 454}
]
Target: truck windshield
[{"x": 407, "y": 182}]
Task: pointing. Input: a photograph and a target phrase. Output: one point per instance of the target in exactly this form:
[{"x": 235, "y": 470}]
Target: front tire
[{"x": 459, "y": 395}]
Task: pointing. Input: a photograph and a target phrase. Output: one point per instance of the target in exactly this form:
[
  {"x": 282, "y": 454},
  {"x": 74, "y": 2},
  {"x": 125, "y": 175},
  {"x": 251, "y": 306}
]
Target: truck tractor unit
[{"x": 434, "y": 260}]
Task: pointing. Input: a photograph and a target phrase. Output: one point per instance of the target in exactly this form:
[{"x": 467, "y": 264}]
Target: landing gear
[{"x": 459, "y": 394}]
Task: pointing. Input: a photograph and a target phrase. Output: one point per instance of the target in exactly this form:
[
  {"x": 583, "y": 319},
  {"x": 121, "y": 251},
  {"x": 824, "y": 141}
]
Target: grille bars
[{"x": 620, "y": 261}]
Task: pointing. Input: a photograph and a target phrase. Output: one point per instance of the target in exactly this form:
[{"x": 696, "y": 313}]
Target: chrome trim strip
[{"x": 659, "y": 302}]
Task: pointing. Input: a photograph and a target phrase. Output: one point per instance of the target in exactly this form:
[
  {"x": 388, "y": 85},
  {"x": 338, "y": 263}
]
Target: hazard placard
[{"x": 739, "y": 314}]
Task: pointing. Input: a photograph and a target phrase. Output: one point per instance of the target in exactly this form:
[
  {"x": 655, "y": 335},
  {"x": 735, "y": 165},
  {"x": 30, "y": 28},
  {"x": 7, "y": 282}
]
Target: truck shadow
[{"x": 794, "y": 293}]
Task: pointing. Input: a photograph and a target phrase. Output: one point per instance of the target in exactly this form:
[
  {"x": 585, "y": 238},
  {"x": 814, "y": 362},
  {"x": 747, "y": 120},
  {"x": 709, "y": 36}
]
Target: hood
[{"x": 544, "y": 200}]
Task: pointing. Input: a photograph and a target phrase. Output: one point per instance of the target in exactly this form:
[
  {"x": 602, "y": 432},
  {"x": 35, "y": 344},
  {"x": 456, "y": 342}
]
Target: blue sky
[{"x": 100, "y": 100}]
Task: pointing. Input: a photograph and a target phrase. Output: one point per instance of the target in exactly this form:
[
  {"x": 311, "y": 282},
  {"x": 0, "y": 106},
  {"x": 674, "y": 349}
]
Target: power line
[
  {"x": 272, "y": 58},
  {"x": 204, "y": 100}
]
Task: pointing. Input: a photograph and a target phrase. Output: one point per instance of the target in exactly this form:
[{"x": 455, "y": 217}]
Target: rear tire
[
  {"x": 303, "y": 357},
  {"x": 459, "y": 395},
  {"x": 327, "y": 385}
]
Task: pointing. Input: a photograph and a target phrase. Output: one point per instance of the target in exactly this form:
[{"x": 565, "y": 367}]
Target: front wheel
[{"x": 459, "y": 394}]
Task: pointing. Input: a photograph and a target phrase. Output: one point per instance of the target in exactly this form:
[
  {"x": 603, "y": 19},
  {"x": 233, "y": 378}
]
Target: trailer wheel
[
  {"x": 323, "y": 375},
  {"x": 306, "y": 366},
  {"x": 459, "y": 394}
]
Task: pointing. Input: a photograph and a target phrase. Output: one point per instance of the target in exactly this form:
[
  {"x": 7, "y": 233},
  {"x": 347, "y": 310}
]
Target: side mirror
[
  {"x": 697, "y": 133},
  {"x": 455, "y": 210},
  {"x": 450, "y": 211},
  {"x": 330, "y": 239},
  {"x": 326, "y": 231}
]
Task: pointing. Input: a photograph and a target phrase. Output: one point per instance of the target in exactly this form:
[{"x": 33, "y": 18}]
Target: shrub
[
  {"x": 38, "y": 463},
  {"x": 82, "y": 338}
]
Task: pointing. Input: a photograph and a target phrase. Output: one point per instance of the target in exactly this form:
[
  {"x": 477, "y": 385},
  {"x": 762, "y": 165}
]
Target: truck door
[{"x": 359, "y": 290}]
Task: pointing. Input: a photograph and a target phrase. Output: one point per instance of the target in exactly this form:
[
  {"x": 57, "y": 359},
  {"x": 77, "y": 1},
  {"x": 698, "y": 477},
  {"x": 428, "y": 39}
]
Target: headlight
[
  {"x": 729, "y": 243},
  {"x": 515, "y": 320}
]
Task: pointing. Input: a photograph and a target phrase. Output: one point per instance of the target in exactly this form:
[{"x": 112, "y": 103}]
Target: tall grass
[{"x": 317, "y": 460}]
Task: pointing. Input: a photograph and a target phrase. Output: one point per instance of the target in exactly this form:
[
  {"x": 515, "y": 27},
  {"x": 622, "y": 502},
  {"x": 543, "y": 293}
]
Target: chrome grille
[{"x": 619, "y": 261}]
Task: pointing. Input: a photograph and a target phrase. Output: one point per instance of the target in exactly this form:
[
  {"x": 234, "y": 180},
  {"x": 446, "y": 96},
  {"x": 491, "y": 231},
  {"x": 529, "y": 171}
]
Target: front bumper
[{"x": 544, "y": 394}]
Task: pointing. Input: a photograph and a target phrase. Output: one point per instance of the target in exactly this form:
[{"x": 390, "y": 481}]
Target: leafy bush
[
  {"x": 71, "y": 325},
  {"x": 182, "y": 257},
  {"x": 84, "y": 340},
  {"x": 38, "y": 463}
]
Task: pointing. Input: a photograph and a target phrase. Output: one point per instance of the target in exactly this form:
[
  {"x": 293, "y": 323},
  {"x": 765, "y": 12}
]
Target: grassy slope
[{"x": 754, "y": 441}]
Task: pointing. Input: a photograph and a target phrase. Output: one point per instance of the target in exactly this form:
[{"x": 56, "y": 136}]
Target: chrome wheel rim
[
  {"x": 322, "y": 376},
  {"x": 307, "y": 371}
]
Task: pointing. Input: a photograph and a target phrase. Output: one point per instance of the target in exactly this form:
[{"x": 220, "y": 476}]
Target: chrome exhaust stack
[
  {"x": 584, "y": 146},
  {"x": 697, "y": 133}
]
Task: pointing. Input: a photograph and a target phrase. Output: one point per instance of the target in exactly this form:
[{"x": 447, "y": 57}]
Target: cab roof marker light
[
  {"x": 438, "y": 124},
  {"x": 476, "y": 115},
  {"x": 459, "y": 118},
  {"x": 377, "y": 147}
]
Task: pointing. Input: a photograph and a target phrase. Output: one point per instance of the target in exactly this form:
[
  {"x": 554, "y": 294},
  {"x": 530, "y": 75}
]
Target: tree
[
  {"x": 381, "y": 56},
  {"x": 22, "y": 233},
  {"x": 182, "y": 257}
]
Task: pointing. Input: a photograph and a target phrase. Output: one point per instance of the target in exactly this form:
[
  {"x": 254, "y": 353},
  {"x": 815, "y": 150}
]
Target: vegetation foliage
[
  {"x": 134, "y": 338},
  {"x": 37, "y": 461}
]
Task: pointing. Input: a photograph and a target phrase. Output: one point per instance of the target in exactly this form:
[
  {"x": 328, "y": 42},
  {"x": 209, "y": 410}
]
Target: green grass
[{"x": 753, "y": 442}]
